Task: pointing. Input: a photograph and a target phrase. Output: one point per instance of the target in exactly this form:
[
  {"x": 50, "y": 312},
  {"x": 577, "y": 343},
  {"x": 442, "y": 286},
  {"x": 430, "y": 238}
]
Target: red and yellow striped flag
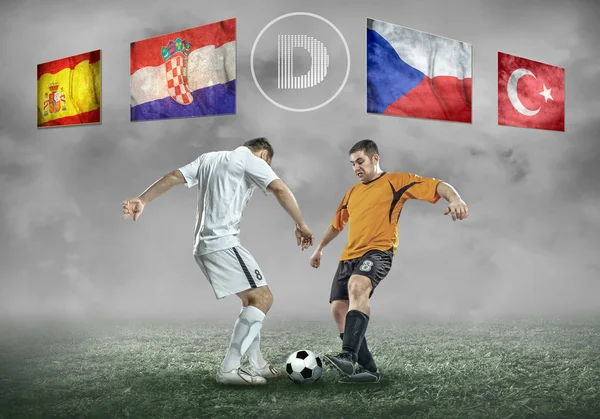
[{"x": 68, "y": 91}]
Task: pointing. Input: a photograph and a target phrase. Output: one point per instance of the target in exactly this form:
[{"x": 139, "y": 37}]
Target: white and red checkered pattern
[{"x": 176, "y": 68}]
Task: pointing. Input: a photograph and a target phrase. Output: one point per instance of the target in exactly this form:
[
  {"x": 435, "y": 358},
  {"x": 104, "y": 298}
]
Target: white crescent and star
[{"x": 514, "y": 97}]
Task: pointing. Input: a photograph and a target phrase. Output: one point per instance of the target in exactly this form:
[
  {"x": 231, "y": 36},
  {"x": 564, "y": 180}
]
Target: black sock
[
  {"x": 354, "y": 332},
  {"x": 365, "y": 358}
]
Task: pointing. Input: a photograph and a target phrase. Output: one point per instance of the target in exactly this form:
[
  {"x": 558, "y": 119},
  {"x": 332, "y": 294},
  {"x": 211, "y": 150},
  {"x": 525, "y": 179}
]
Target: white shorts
[{"x": 230, "y": 271}]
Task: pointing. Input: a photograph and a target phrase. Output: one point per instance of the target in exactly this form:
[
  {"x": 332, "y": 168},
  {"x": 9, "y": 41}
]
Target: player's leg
[
  {"x": 234, "y": 271},
  {"x": 254, "y": 353},
  {"x": 338, "y": 297},
  {"x": 259, "y": 364},
  {"x": 371, "y": 269},
  {"x": 255, "y": 302},
  {"x": 357, "y": 319},
  {"x": 263, "y": 368},
  {"x": 376, "y": 268},
  {"x": 261, "y": 298},
  {"x": 354, "y": 341},
  {"x": 340, "y": 302},
  {"x": 339, "y": 309}
]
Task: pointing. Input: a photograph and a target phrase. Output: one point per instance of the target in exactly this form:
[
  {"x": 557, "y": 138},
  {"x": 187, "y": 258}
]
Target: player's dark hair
[
  {"x": 368, "y": 146},
  {"x": 260, "y": 144}
]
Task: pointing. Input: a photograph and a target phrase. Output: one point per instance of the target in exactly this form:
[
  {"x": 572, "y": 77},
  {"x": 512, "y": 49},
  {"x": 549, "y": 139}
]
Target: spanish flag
[{"x": 68, "y": 91}]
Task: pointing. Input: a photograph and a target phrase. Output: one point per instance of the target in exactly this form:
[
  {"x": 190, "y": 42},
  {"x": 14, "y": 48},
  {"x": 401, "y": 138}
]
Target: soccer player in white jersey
[{"x": 226, "y": 181}]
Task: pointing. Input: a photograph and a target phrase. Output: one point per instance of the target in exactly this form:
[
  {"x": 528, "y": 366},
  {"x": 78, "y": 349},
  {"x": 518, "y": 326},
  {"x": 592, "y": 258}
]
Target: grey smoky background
[{"x": 529, "y": 245}]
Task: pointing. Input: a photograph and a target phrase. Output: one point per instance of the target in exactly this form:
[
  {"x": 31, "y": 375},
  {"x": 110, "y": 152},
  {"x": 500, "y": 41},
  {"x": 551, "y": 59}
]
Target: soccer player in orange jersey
[{"x": 373, "y": 208}]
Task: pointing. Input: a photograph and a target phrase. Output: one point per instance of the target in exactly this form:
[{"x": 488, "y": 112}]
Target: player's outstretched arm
[
  {"x": 288, "y": 202},
  {"x": 135, "y": 206},
  {"x": 456, "y": 206},
  {"x": 330, "y": 234}
]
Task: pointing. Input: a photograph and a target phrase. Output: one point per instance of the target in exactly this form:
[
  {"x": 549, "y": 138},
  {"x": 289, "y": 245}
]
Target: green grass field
[{"x": 150, "y": 369}]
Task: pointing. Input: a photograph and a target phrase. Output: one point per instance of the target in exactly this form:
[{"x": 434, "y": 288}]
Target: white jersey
[{"x": 226, "y": 181}]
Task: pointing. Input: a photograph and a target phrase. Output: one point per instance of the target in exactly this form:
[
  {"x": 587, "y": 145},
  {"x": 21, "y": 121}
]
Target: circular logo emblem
[{"x": 300, "y": 62}]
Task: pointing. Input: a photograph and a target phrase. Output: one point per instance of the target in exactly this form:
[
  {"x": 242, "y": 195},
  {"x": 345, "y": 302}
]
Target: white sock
[
  {"x": 246, "y": 327},
  {"x": 255, "y": 355}
]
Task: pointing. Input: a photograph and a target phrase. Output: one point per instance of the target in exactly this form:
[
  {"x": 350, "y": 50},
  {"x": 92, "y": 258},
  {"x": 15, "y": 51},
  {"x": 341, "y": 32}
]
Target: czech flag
[
  {"x": 416, "y": 74},
  {"x": 184, "y": 74},
  {"x": 68, "y": 91}
]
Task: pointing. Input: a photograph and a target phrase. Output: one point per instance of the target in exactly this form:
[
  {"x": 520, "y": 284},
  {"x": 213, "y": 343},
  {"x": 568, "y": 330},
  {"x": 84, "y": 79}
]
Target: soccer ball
[{"x": 304, "y": 367}]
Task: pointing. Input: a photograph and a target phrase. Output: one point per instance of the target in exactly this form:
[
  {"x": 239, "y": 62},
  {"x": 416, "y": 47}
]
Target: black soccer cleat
[
  {"x": 343, "y": 362},
  {"x": 362, "y": 376}
]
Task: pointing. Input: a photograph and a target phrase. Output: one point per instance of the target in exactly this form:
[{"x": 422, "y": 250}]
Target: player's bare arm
[
  {"x": 135, "y": 206},
  {"x": 457, "y": 208},
  {"x": 287, "y": 200},
  {"x": 330, "y": 234}
]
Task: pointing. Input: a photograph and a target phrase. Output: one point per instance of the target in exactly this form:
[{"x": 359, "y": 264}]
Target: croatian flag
[
  {"x": 416, "y": 74},
  {"x": 185, "y": 74}
]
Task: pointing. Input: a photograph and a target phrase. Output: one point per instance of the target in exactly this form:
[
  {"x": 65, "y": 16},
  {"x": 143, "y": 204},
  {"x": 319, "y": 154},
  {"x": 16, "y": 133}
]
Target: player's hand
[
  {"x": 315, "y": 259},
  {"x": 133, "y": 208},
  {"x": 458, "y": 210},
  {"x": 304, "y": 237}
]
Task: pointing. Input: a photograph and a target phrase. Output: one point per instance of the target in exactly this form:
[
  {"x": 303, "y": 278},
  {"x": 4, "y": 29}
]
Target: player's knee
[
  {"x": 262, "y": 298},
  {"x": 339, "y": 308},
  {"x": 245, "y": 299},
  {"x": 359, "y": 287},
  {"x": 268, "y": 298}
]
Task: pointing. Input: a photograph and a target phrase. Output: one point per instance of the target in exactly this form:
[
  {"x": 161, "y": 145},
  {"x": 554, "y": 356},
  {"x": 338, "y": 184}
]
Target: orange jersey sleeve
[
  {"x": 341, "y": 215},
  {"x": 417, "y": 187}
]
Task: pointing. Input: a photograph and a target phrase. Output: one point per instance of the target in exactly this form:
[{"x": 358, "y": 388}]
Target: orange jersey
[{"x": 373, "y": 210}]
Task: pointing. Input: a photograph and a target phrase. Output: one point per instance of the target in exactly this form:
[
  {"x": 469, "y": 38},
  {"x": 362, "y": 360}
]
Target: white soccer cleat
[
  {"x": 268, "y": 371},
  {"x": 240, "y": 376}
]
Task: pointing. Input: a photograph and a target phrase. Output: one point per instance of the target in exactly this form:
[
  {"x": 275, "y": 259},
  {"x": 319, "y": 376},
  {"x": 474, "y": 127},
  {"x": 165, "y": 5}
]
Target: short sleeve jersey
[
  {"x": 226, "y": 181},
  {"x": 373, "y": 210}
]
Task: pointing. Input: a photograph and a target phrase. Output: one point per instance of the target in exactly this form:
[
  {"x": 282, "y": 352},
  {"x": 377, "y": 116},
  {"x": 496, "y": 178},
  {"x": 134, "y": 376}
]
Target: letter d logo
[
  {"x": 300, "y": 62},
  {"x": 286, "y": 79}
]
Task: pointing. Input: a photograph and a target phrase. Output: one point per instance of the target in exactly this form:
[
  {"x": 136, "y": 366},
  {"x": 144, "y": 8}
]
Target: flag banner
[
  {"x": 69, "y": 91},
  {"x": 189, "y": 73},
  {"x": 416, "y": 74},
  {"x": 530, "y": 94}
]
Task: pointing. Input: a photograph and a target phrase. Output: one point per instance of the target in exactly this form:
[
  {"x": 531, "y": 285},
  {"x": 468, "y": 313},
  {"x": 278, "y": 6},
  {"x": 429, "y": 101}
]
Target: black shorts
[{"x": 375, "y": 265}]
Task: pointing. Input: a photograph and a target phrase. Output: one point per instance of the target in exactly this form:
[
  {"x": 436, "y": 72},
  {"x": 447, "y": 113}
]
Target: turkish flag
[{"x": 530, "y": 94}]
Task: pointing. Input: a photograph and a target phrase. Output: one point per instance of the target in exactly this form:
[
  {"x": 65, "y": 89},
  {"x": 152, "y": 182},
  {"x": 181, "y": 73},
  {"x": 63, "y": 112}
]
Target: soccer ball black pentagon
[{"x": 303, "y": 367}]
